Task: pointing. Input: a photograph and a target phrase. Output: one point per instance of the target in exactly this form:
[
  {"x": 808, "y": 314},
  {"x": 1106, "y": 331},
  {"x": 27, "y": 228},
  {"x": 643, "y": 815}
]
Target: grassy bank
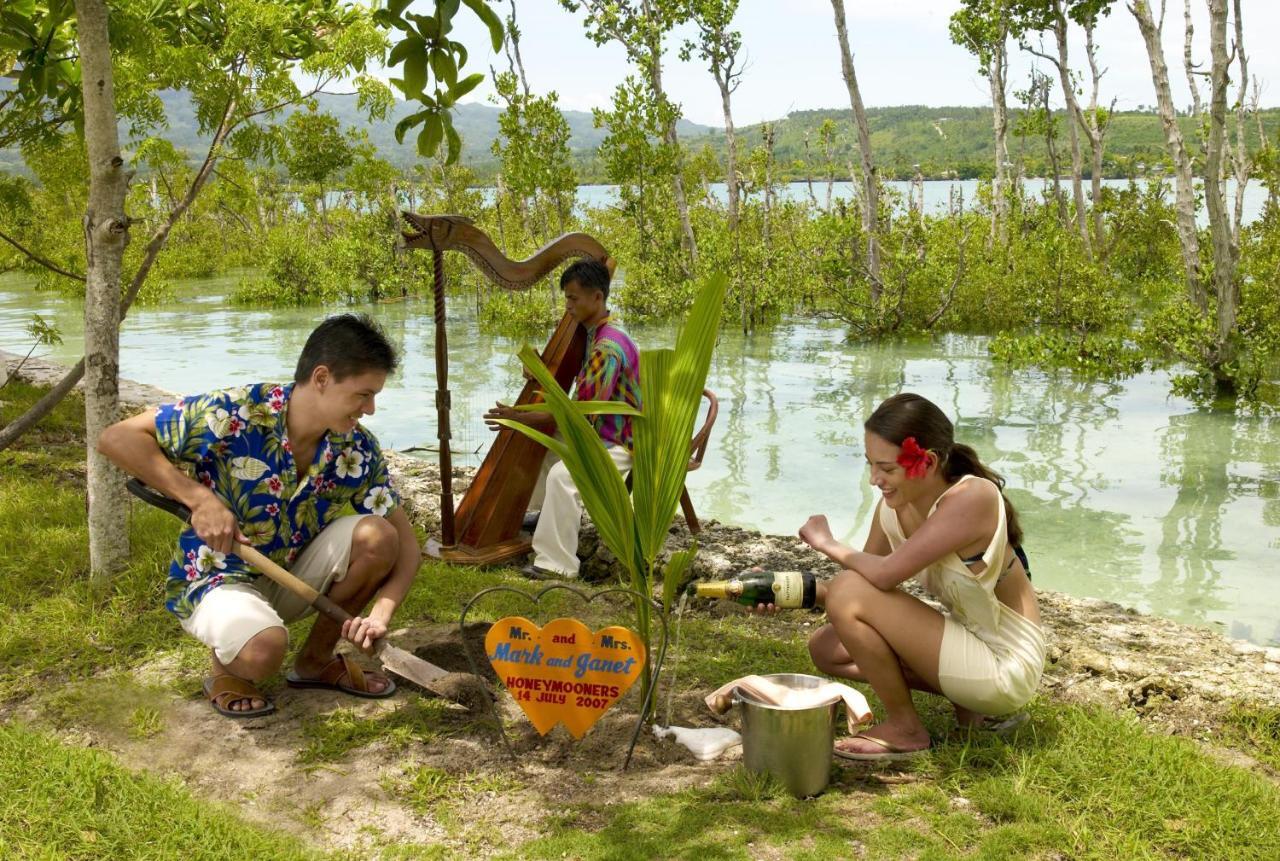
[{"x": 111, "y": 667}]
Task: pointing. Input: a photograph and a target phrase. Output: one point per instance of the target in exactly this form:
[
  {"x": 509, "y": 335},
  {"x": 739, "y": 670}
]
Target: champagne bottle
[{"x": 783, "y": 589}]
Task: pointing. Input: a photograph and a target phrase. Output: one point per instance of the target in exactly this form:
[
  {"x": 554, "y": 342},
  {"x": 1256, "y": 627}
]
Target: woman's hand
[{"x": 816, "y": 532}]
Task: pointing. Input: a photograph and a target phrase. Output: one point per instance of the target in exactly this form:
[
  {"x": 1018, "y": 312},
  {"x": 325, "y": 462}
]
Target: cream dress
[{"x": 992, "y": 656}]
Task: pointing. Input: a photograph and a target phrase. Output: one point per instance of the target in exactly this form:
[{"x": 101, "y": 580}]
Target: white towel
[{"x": 763, "y": 690}]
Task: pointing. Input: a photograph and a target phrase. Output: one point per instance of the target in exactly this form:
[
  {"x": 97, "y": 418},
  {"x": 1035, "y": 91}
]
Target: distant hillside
[
  {"x": 942, "y": 141},
  {"x": 477, "y": 124},
  {"x": 957, "y": 140}
]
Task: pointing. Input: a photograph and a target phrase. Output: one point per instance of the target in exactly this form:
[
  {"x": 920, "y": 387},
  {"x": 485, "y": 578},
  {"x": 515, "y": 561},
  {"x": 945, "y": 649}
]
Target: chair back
[{"x": 698, "y": 447}]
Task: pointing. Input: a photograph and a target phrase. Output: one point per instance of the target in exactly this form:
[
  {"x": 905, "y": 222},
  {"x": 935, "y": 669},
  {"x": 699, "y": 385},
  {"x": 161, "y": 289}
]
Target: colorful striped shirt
[{"x": 610, "y": 372}]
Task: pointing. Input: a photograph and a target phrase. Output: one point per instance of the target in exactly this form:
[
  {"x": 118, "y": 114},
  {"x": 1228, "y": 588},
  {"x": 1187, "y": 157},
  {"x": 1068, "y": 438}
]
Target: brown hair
[{"x": 907, "y": 415}]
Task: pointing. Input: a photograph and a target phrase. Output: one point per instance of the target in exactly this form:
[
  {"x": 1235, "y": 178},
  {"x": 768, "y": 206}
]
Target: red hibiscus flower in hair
[{"x": 913, "y": 459}]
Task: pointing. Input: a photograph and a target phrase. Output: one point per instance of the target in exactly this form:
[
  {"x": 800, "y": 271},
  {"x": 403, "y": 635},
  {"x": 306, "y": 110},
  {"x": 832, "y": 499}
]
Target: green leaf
[
  {"x": 415, "y": 74},
  {"x": 674, "y": 572},
  {"x": 445, "y": 10},
  {"x": 490, "y": 19},
  {"x": 407, "y": 123},
  {"x": 671, "y": 384},
  {"x": 404, "y": 48},
  {"x": 445, "y": 71},
  {"x": 454, "y": 141},
  {"x": 428, "y": 26},
  {"x": 589, "y": 408},
  {"x": 466, "y": 85},
  {"x": 429, "y": 137}
]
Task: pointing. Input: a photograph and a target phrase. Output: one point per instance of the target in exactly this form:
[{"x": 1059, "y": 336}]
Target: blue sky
[{"x": 902, "y": 52}]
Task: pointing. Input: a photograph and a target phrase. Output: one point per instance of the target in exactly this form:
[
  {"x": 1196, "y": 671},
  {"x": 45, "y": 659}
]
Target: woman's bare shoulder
[{"x": 972, "y": 496}]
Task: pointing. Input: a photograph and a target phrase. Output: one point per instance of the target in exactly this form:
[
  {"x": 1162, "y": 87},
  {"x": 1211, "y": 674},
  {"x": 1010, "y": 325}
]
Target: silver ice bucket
[{"x": 793, "y": 745}]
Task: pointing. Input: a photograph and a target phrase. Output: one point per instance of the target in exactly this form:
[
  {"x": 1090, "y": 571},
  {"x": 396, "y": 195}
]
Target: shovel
[{"x": 404, "y": 664}]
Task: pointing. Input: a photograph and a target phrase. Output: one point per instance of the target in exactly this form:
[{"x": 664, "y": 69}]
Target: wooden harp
[{"x": 485, "y": 529}]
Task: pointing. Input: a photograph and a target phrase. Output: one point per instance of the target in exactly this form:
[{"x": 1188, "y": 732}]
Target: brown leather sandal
[
  {"x": 224, "y": 689},
  {"x": 331, "y": 676}
]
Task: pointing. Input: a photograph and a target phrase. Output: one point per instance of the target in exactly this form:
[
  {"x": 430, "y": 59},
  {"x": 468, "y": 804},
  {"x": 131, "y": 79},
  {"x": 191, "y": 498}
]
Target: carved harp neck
[{"x": 458, "y": 233}]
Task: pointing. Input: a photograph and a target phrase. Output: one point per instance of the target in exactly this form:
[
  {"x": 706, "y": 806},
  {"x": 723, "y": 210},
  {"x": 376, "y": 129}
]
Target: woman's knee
[
  {"x": 825, "y": 649},
  {"x": 374, "y": 538},
  {"x": 848, "y": 595}
]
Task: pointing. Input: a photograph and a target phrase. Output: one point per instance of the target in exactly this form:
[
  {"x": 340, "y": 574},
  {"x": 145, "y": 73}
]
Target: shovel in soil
[{"x": 461, "y": 688}]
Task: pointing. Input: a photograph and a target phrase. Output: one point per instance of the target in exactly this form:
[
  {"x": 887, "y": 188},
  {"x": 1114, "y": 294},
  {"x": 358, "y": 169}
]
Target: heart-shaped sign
[{"x": 562, "y": 672}]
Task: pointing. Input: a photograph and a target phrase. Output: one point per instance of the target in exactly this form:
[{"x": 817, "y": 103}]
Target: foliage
[
  {"x": 427, "y": 52},
  {"x": 642, "y": 164},
  {"x": 315, "y": 148},
  {"x": 532, "y": 147}
]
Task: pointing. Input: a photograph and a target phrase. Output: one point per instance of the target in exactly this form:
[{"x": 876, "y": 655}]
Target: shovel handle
[{"x": 272, "y": 571}]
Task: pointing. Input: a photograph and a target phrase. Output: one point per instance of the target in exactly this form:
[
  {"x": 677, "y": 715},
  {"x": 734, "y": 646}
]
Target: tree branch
[{"x": 47, "y": 264}]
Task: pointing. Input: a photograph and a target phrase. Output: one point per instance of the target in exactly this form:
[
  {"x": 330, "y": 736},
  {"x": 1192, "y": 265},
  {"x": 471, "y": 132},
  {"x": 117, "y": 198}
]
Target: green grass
[
  {"x": 1077, "y": 783},
  {"x": 1255, "y": 730},
  {"x": 68, "y": 803}
]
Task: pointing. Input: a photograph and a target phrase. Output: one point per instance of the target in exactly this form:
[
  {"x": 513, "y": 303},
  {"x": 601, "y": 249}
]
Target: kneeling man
[
  {"x": 273, "y": 466},
  {"x": 610, "y": 372}
]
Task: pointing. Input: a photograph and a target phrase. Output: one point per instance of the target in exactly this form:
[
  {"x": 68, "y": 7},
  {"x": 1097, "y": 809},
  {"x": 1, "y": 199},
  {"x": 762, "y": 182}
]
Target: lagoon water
[
  {"x": 941, "y": 195},
  {"x": 1127, "y": 493}
]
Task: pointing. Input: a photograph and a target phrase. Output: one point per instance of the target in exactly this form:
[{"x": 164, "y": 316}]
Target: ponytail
[{"x": 963, "y": 460}]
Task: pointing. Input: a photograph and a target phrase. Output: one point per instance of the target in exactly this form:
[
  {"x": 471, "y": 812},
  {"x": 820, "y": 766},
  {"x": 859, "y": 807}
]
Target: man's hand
[
  {"x": 215, "y": 525},
  {"x": 816, "y": 532},
  {"x": 501, "y": 411},
  {"x": 364, "y": 631}
]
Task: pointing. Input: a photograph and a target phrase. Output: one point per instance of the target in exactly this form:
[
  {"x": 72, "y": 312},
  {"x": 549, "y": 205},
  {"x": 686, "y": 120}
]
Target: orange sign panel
[{"x": 562, "y": 672}]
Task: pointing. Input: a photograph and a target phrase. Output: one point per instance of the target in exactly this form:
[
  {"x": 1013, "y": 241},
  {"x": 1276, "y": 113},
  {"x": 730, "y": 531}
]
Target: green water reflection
[{"x": 1126, "y": 493}]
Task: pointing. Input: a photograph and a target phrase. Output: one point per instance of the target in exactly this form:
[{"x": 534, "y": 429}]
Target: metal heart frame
[{"x": 587, "y": 598}]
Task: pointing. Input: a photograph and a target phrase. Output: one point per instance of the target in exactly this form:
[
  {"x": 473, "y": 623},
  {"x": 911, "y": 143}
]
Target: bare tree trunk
[
  {"x": 1189, "y": 239},
  {"x": 106, "y": 231},
  {"x": 731, "y": 171},
  {"x": 1241, "y": 161},
  {"x": 687, "y": 240},
  {"x": 1225, "y": 250},
  {"x": 996, "y": 72},
  {"x": 1073, "y": 113},
  {"x": 731, "y": 149},
  {"x": 871, "y": 195},
  {"x": 1095, "y": 128},
  {"x": 1197, "y": 108}
]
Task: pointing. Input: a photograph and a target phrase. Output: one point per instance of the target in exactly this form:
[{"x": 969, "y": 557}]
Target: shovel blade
[{"x": 409, "y": 666}]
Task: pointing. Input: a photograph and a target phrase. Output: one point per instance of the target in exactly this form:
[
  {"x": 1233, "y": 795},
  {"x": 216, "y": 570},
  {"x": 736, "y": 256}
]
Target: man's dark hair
[
  {"x": 346, "y": 344},
  {"x": 590, "y": 275}
]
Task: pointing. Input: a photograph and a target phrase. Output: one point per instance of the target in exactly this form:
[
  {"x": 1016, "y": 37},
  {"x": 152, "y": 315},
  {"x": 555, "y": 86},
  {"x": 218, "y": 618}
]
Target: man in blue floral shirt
[{"x": 282, "y": 468}]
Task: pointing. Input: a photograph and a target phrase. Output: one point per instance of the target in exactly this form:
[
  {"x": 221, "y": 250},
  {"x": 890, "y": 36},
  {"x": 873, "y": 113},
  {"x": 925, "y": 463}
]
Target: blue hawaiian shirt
[{"x": 236, "y": 443}]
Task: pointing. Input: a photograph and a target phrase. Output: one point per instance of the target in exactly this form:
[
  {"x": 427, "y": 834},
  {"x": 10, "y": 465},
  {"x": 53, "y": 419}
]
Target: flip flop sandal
[
  {"x": 223, "y": 690},
  {"x": 891, "y": 752},
  {"x": 330, "y": 678}
]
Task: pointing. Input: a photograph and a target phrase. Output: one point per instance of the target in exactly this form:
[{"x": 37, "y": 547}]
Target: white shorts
[
  {"x": 992, "y": 680},
  {"x": 231, "y": 615}
]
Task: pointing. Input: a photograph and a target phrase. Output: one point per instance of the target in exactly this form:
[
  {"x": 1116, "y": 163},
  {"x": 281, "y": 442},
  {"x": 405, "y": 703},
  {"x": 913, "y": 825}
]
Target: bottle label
[{"x": 788, "y": 589}]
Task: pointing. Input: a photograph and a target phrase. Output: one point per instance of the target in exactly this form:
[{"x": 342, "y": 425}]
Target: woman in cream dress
[{"x": 943, "y": 520}]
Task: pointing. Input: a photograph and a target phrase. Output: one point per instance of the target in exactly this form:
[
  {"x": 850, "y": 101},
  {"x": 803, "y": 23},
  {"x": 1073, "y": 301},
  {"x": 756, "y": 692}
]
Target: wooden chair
[{"x": 697, "y": 450}]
